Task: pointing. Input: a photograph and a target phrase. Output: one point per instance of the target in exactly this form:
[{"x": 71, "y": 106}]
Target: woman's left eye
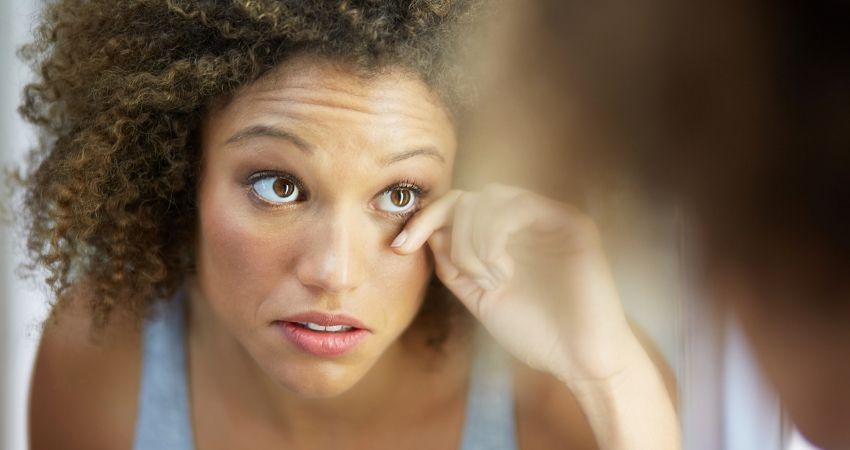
[{"x": 398, "y": 200}]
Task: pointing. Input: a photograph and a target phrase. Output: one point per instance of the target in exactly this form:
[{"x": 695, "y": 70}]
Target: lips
[
  {"x": 323, "y": 335},
  {"x": 325, "y": 320}
]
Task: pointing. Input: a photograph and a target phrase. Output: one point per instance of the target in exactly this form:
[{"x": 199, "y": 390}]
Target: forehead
[{"x": 331, "y": 104}]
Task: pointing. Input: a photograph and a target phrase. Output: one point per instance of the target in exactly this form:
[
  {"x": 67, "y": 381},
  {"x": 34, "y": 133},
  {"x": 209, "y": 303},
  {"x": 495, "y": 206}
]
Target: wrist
[
  {"x": 630, "y": 408},
  {"x": 635, "y": 371},
  {"x": 603, "y": 365}
]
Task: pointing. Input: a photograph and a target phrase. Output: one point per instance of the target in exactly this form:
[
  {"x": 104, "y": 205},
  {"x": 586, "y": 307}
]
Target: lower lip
[{"x": 322, "y": 343}]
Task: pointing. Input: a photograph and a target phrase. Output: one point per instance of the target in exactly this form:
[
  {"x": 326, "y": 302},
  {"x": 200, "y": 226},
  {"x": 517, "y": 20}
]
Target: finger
[
  {"x": 466, "y": 289},
  {"x": 505, "y": 224},
  {"x": 552, "y": 225},
  {"x": 574, "y": 230},
  {"x": 552, "y": 215},
  {"x": 440, "y": 244},
  {"x": 504, "y": 265},
  {"x": 420, "y": 227},
  {"x": 463, "y": 254},
  {"x": 503, "y": 212},
  {"x": 499, "y": 217}
]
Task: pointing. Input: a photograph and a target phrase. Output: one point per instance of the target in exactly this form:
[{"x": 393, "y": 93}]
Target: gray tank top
[{"x": 163, "y": 420}]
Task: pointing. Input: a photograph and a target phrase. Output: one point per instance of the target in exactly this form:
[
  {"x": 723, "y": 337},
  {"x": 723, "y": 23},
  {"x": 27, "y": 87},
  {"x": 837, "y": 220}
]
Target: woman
[{"x": 280, "y": 175}]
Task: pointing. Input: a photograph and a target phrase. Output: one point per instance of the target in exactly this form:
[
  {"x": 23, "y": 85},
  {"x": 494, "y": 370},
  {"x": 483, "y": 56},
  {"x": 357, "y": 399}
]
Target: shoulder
[
  {"x": 548, "y": 414},
  {"x": 85, "y": 384}
]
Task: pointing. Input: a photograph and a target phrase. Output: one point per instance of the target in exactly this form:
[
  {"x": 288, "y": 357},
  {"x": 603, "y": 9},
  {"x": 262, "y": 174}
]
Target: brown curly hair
[{"x": 122, "y": 88}]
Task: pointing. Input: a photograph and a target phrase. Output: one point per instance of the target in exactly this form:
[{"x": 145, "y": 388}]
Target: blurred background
[
  {"x": 722, "y": 399},
  {"x": 22, "y": 303}
]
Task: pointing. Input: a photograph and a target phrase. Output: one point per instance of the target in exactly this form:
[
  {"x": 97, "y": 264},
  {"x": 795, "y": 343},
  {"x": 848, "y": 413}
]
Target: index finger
[{"x": 419, "y": 228}]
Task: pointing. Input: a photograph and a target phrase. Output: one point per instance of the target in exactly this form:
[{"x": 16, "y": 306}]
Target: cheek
[
  {"x": 409, "y": 272},
  {"x": 232, "y": 249},
  {"x": 402, "y": 282},
  {"x": 239, "y": 260}
]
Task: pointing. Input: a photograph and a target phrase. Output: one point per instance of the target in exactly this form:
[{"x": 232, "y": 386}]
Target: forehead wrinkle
[
  {"x": 369, "y": 89},
  {"x": 399, "y": 110},
  {"x": 296, "y": 106},
  {"x": 385, "y": 128},
  {"x": 414, "y": 140},
  {"x": 316, "y": 80}
]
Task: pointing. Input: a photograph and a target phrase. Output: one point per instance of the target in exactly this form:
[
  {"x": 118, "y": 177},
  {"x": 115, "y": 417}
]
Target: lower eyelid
[{"x": 413, "y": 210}]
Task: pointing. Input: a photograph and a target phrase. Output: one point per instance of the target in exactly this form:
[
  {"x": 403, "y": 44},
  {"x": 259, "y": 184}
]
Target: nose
[{"x": 335, "y": 259}]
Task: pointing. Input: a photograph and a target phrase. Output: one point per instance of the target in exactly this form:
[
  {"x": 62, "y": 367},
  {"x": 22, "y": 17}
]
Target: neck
[{"x": 406, "y": 383}]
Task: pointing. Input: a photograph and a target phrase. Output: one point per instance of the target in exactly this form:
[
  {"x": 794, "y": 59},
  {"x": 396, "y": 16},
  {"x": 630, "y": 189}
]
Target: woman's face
[{"x": 308, "y": 175}]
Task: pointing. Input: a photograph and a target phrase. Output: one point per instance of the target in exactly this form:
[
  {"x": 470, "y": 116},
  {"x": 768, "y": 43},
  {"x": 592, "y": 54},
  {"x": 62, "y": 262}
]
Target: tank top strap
[
  {"x": 490, "y": 419},
  {"x": 163, "y": 419}
]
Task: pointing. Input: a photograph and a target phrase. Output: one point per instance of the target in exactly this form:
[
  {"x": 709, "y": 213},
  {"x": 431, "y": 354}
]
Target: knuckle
[
  {"x": 462, "y": 261},
  {"x": 445, "y": 273},
  {"x": 471, "y": 269},
  {"x": 490, "y": 257},
  {"x": 458, "y": 255}
]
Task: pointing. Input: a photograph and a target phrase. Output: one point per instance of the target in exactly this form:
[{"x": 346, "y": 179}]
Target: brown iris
[
  {"x": 401, "y": 197},
  {"x": 283, "y": 187}
]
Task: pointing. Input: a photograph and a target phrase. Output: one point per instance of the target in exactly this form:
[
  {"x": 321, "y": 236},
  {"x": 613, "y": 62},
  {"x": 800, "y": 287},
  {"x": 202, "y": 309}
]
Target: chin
[{"x": 319, "y": 379}]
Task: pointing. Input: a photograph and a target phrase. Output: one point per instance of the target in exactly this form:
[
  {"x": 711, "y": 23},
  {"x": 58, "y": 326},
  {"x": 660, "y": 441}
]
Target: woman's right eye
[{"x": 276, "y": 189}]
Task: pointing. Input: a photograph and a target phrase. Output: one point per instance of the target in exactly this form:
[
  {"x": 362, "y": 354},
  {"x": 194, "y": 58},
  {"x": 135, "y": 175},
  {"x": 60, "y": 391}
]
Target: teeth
[{"x": 330, "y": 328}]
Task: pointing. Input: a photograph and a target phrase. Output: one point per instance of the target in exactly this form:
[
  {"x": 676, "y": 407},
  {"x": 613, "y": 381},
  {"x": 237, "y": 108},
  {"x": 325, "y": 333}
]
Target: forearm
[{"x": 632, "y": 409}]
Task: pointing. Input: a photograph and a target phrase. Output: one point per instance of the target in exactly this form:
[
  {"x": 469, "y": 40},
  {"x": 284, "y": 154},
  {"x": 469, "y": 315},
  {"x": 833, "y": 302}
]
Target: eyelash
[
  {"x": 410, "y": 184},
  {"x": 407, "y": 183}
]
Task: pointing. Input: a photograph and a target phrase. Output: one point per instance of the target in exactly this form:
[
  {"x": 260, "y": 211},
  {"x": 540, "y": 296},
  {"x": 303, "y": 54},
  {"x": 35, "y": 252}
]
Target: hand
[{"x": 532, "y": 270}]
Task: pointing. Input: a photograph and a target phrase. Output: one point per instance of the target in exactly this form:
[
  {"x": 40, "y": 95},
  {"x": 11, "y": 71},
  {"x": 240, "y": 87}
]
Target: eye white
[
  {"x": 386, "y": 203},
  {"x": 276, "y": 189}
]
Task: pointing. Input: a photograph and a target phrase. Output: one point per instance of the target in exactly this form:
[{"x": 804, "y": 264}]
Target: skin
[
  {"x": 533, "y": 272},
  {"x": 264, "y": 258},
  {"x": 349, "y": 140}
]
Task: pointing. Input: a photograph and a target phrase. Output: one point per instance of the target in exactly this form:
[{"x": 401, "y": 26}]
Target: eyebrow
[
  {"x": 425, "y": 151},
  {"x": 265, "y": 131}
]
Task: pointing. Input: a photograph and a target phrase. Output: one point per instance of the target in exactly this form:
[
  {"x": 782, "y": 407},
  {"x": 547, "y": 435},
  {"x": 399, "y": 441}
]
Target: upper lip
[{"x": 325, "y": 319}]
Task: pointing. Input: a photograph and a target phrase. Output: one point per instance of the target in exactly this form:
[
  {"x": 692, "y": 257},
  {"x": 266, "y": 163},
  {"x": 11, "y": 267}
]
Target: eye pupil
[
  {"x": 283, "y": 187},
  {"x": 400, "y": 197}
]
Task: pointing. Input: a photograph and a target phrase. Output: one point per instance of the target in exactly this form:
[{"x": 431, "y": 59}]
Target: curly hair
[{"x": 121, "y": 90}]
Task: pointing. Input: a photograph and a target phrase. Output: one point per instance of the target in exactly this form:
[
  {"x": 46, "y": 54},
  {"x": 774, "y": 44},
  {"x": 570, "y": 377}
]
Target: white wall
[{"x": 21, "y": 304}]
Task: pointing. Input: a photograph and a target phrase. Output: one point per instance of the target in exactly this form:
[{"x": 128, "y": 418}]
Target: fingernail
[
  {"x": 486, "y": 283},
  {"x": 400, "y": 239}
]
